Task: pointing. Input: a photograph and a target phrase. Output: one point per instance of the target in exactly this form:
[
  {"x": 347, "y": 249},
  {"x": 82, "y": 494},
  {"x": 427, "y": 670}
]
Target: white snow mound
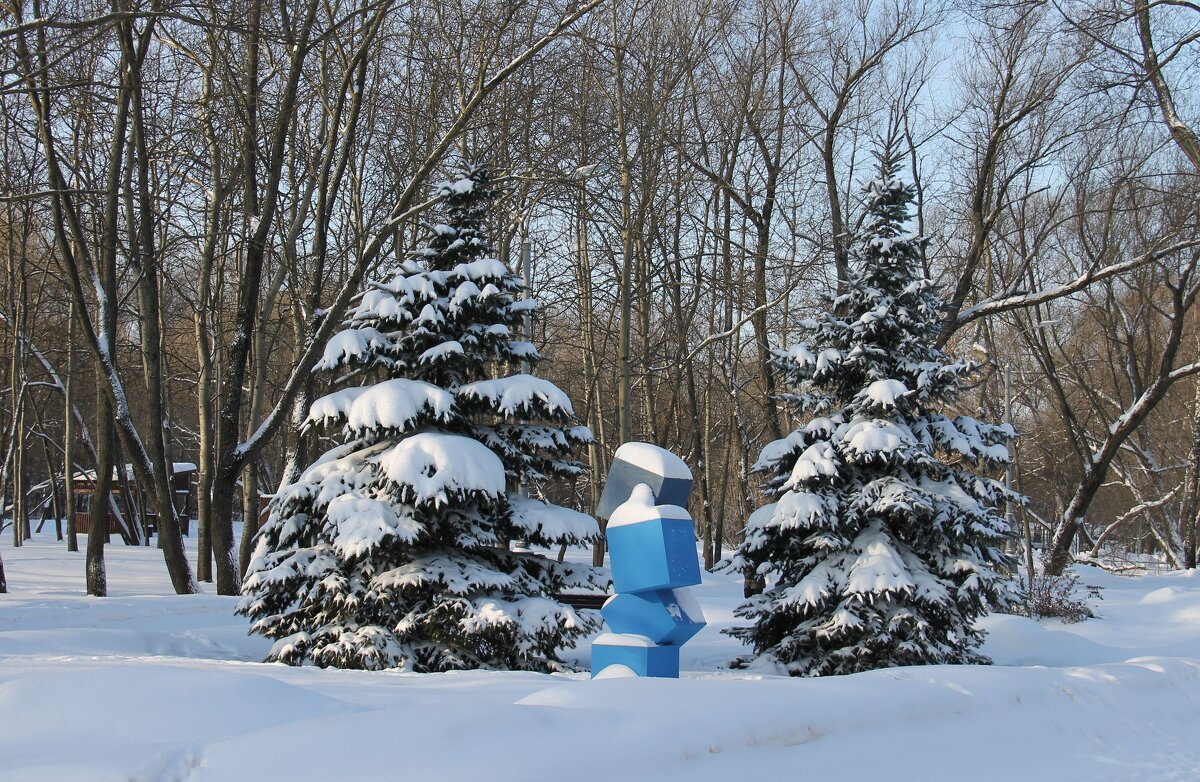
[
  {"x": 438, "y": 465},
  {"x": 516, "y": 393},
  {"x": 885, "y": 392},
  {"x": 553, "y": 521},
  {"x": 392, "y": 404}
]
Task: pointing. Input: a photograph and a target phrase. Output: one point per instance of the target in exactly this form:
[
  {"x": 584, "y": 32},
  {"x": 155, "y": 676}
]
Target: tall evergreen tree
[
  {"x": 392, "y": 549},
  {"x": 882, "y": 547}
]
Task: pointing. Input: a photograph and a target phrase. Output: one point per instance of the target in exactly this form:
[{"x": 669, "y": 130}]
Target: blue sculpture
[
  {"x": 665, "y": 616},
  {"x": 652, "y": 550},
  {"x": 651, "y": 546},
  {"x": 635, "y": 654}
]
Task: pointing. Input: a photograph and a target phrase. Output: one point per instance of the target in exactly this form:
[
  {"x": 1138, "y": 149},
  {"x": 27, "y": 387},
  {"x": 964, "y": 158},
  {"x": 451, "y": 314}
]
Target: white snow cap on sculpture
[
  {"x": 623, "y": 639},
  {"x": 653, "y": 459},
  {"x": 885, "y": 392},
  {"x": 686, "y": 600},
  {"x": 436, "y": 464},
  {"x": 640, "y": 507}
]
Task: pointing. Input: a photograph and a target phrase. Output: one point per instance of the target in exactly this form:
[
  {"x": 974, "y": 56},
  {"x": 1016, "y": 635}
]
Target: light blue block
[
  {"x": 644, "y": 660},
  {"x": 667, "y": 617},
  {"x": 665, "y": 473},
  {"x": 622, "y": 477},
  {"x": 658, "y": 553}
]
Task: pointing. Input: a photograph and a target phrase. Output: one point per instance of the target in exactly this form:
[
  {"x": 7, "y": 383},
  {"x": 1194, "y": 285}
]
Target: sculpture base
[{"x": 636, "y": 652}]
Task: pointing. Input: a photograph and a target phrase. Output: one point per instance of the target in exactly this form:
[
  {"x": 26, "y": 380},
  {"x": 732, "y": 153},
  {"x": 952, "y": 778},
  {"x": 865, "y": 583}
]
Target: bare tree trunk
[
  {"x": 583, "y": 281},
  {"x": 69, "y": 432},
  {"x": 203, "y": 326},
  {"x": 1185, "y": 136},
  {"x": 204, "y": 564},
  {"x": 90, "y": 238},
  {"x": 700, "y": 459},
  {"x": 1188, "y": 510},
  {"x": 625, "y": 389},
  {"x": 1096, "y": 469},
  {"x": 133, "y": 532},
  {"x": 20, "y": 465},
  {"x": 73, "y": 241},
  {"x": 706, "y": 498},
  {"x": 11, "y": 467},
  {"x": 149, "y": 299},
  {"x": 97, "y": 579},
  {"x": 53, "y": 504},
  {"x": 752, "y": 582},
  {"x": 258, "y": 215},
  {"x": 258, "y": 390},
  {"x": 730, "y": 359},
  {"x": 20, "y": 514},
  {"x": 1188, "y": 141}
]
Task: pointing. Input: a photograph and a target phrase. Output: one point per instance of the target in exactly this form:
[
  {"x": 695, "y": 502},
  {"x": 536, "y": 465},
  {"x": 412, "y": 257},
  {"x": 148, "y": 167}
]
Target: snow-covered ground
[{"x": 144, "y": 685}]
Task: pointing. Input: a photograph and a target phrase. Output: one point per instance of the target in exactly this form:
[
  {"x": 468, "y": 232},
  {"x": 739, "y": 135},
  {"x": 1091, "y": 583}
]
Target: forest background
[{"x": 193, "y": 193}]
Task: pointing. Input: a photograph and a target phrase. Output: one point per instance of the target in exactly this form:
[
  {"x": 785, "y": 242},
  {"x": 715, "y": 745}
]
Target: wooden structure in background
[{"x": 183, "y": 483}]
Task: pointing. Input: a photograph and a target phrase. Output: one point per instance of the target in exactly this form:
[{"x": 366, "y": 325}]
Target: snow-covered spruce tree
[
  {"x": 390, "y": 550},
  {"x": 882, "y": 547}
]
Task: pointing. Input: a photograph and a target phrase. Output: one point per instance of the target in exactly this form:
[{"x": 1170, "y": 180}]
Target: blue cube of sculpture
[
  {"x": 665, "y": 473},
  {"x": 665, "y": 616},
  {"x": 635, "y": 652},
  {"x": 652, "y": 547}
]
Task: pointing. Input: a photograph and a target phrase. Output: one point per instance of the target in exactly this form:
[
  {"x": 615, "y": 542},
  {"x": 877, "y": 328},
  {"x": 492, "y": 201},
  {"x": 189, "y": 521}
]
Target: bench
[{"x": 591, "y": 601}]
